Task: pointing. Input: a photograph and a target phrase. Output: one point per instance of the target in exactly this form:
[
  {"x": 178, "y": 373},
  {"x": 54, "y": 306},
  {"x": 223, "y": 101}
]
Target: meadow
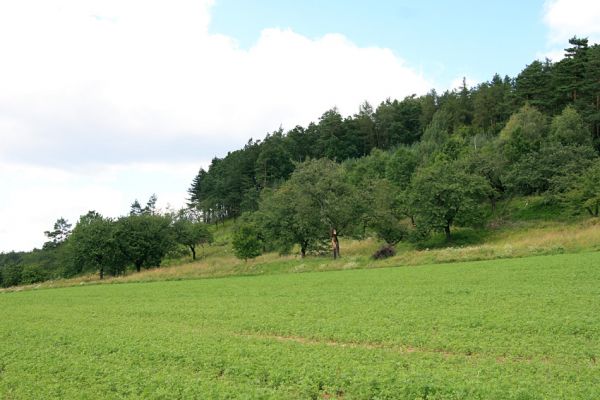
[{"x": 521, "y": 328}]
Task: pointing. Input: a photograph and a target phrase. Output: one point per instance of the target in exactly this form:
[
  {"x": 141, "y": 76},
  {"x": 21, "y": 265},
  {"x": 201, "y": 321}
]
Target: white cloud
[
  {"x": 568, "y": 18},
  {"x": 93, "y": 84},
  {"x": 37, "y": 196}
]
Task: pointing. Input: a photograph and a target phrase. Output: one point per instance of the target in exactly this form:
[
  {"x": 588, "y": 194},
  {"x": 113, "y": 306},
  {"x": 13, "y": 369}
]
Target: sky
[{"x": 106, "y": 101}]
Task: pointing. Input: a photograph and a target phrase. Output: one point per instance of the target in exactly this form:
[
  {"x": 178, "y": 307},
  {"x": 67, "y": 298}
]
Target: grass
[{"x": 524, "y": 328}]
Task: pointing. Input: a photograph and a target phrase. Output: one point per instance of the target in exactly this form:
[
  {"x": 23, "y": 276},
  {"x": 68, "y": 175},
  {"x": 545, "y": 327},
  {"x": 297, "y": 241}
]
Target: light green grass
[{"x": 524, "y": 328}]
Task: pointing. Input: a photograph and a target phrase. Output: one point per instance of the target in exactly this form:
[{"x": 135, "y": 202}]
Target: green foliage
[
  {"x": 443, "y": 194},
  {"x": 384, "y": 216},
  {"x": 569, "y": 129},
  {"x": 401, "y": 166},
  {"x": 143, "y": 240},
  {"x": 246, "y": 241},
  {"x": 93, "y": 247},
  {"x": 585, "y": 190},
  {"x": 524, "y": 133},
  {"x": 190, "y": 233},
  {"x": 11, "y": 274},
  {"x": 547, "y": 169}
]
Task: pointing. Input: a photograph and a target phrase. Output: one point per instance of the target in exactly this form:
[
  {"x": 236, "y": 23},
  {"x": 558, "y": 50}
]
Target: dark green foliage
[
  {"x": 384, "y": 214},
  {"x": 11, "y": 274},
  {"x": 93, "y": 246},
  {"x": 443, "y": 194},
  {"x": 538, "y": 172},
  {"x": 398, "y": 122},
  {"x": 584, "y": 192},
  {"x": 144, "y": 240},
  {"x": 246, "y": 241},
  {"x": 315, "y": 200},
  {"x": 274, "y": 162},
  {"x": 401, "y": 166},
  {"x": 534, "y": 85}
]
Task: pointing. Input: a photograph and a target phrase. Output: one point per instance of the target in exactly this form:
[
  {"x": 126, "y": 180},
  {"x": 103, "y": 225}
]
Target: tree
[
  {"x": 59, "y": 233},
  {"x": 401, "y": 166},
  {"x": 524, "y": 133},
  {"x": 386, "y": 217},
  {"x": 310, "y": 206},
  {"x": 92, "y": 246},
  {"x": 488, "y": 162},
  {"x": 246, "y": 241},
  {"x": 443, "y": 195},
  {"x": 534, "y": 85},
  {"x": 191, "y": 233},
  {"x": 585, "y": 190},
  {"x": 144, "y": 240},
  {"x": 274, "y": 162},
  {"x": 568, "y": 128}
]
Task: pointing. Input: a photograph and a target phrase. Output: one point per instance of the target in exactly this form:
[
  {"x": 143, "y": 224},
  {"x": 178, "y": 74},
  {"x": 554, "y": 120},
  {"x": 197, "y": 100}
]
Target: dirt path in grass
[{"x": 390, "y": 348}]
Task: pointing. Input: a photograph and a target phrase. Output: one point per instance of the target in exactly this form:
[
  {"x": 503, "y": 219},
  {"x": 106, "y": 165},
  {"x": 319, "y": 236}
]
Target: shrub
[{"x": 384, "y": 252}]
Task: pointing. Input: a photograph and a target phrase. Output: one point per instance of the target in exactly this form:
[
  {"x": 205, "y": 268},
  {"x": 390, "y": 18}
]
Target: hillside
[{"x": 524, "y": 227}]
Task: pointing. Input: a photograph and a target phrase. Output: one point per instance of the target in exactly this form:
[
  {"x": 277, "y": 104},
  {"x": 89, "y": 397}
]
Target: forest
[{"x": 399, "y": 171}]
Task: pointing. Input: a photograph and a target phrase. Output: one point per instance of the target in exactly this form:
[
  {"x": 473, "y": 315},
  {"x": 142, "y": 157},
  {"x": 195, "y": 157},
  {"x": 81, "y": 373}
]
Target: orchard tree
[
  {"x": 191, "y": 233},
  {"x": 144, "y": 240},
  {"x": 315, "y": 203},
  {"x": 385, "y": 214},
  {"x": 443, "y": 195},
  {"x": 92, "y": 246}
]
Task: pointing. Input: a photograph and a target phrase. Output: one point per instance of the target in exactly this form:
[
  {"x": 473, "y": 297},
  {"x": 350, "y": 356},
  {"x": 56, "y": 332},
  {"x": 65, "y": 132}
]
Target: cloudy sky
[{"x": 106, "y": 101}]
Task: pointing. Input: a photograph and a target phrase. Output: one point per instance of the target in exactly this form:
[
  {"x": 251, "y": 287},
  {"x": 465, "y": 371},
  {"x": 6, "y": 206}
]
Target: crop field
[{"x": 525, "y": 328}]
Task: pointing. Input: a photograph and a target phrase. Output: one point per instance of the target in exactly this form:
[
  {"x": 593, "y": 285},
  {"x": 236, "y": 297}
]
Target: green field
[{"x": 525, "y": 328}]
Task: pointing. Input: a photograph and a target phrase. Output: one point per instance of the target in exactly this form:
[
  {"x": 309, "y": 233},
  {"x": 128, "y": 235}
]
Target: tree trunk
[
  {"x": 101, "y": 273},
  {"x": 447, "y": 232},
  {"x": 493, "y": 201},
  {"x": 303, "y": 247},
  {"x": 335, "y": 244},
  {"x": 193, "y": 249},
  {"x": 138, "y": 266}
]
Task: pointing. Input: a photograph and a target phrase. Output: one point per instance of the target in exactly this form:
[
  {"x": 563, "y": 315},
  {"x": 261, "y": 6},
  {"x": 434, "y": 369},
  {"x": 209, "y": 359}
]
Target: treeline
[
  {"x": 107, "y": 246},
  {"x": 232, "y": 185},
  {"x": 400, "y": 171}
]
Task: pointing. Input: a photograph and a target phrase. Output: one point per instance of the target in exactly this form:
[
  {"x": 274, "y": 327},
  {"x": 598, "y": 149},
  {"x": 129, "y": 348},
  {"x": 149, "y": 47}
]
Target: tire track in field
[{"x": 391, "y": 348}]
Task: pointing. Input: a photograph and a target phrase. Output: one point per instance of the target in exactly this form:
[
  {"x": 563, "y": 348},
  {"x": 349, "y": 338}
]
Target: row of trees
[
  {"x": 442, "y": 181},
  {"x": 107, "y": 246},
  {"x": 232, "y": 185}
]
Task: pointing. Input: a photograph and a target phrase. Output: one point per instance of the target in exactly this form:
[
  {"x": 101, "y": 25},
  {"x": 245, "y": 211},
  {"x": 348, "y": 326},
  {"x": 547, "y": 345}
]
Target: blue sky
[
  {"x": 107, "y": 101},
  {"x": 444, "y": 39}
]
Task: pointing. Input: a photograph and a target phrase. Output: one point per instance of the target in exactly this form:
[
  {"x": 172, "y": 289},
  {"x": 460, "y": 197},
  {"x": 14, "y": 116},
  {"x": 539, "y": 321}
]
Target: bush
[
  {"x": 246, "y": 242},
  {"x": 11, "y": 275},
  {"x": 33, "y": 274},
  {"x": 384, "y": 252}
]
